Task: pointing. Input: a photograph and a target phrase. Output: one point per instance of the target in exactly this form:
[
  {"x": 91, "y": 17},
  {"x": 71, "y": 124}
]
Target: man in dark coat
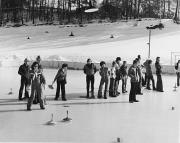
[
  {"x": 90, "y": 70},
  {"x": 24, "y": 73},
  {"x": 133, "y": 74}
]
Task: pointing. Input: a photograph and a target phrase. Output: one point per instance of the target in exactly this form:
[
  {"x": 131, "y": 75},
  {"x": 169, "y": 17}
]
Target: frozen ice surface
[{"x": 94, "y": 120}]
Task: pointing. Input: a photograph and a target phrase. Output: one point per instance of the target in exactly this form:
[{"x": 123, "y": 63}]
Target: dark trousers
[
  {"x": 159, "y": 84},
  {"x": 60, "y": 84},
  {"x": 116, "y": 86},
  {"x": 36, "y": 89},
  {"x": 144, "y": 80},
  {"x": 178, "y": 76},
  {"x": 112, "y": 87},
  {"x": 132, "y": 94},
  {"x": 139, "y": 86},
  {"x": 124, "y": 83},
  {"x": 90, "y": 80},
  {"x": 150, "y": 77},
  {"x": 24, "y": 84},
  {"x": 102, "y": 82}
]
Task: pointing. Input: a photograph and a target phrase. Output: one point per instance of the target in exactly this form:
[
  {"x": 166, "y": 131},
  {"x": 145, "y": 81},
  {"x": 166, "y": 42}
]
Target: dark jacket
[
  {"x": 104, "y": 72},
  {"x": 123, "y": 70},
  {"x": 158, "y": 68},
  {"x": 132, "y": 73},
  {"x": 24, "y": 71},
  {"x": 61, "y": 75},
  {"x": 37, "y": 78},
  {"x": 176, "y": 66},
  {"x": 148, "y": 70},
  {"x": 90, "y": 69}
]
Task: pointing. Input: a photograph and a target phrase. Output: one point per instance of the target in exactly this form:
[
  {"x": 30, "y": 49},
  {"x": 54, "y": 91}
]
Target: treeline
[{"x": 73, "y": 11}]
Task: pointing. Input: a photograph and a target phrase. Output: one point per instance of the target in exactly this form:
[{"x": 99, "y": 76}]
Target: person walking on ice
[
  {"x": 90, "y": 70},
  {"x": 37, "y": 83},
  {"x": 61, "y": 82},
  {"x": 104, "y": 73}
]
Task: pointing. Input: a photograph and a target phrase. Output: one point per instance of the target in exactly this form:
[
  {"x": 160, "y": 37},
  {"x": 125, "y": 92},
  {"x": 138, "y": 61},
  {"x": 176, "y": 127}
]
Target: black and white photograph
[{"x": 90, "y": 71}]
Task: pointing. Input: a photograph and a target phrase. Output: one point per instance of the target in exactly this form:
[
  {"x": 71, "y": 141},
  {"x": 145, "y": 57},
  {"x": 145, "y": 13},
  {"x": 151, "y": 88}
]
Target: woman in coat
[{"x": 159, "y": 84}]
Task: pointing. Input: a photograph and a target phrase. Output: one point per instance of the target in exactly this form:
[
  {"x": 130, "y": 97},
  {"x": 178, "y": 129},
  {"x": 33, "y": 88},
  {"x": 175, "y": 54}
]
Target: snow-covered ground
[
  {"x": 95, "y": 120},
  {"x": 93, "y": 40}
]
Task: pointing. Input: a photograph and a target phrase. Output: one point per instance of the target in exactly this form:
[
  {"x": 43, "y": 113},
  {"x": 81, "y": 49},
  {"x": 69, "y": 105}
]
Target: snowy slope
[{"x": 54, "y": 42}]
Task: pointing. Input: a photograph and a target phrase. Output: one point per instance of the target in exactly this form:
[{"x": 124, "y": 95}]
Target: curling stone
[
  {"x": 67, "y": 119},
  {"x": 50, "y": 86},
  {"x": 71, "y": 34},
  {"x": 51, "y": 122},
  {"x": 112, "y": 36},
  {"x": 10, "y": 93},
  {"x": 118, "y": 140}
]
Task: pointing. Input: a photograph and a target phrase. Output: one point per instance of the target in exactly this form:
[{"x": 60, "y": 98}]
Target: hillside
[{"x": 93, "y": 40}]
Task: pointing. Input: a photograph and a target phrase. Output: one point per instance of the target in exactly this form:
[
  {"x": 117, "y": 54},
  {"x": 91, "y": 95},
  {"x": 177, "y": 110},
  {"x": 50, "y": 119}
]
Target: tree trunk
[
  {"x": 138, "y": 9},
  {"x": 177, "y": 11},
  {"x": 33, "y": 11}
]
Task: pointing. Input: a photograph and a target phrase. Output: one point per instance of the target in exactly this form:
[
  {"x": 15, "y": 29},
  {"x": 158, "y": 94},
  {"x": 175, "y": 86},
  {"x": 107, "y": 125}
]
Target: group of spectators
[{"x": 140, "y": 75}]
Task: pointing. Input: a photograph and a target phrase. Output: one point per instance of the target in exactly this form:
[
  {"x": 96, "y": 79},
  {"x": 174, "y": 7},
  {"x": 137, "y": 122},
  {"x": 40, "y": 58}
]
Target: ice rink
[{"x": 151, "y": 120}]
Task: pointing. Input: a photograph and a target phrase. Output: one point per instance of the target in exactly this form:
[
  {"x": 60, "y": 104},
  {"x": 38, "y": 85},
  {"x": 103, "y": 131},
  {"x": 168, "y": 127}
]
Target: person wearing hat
[
  {"x": 90, "y": 70},
  {"x": 24, "y": 73},
  {"x": 105, "y": 74},
  {"x": 61, "y": 82}
]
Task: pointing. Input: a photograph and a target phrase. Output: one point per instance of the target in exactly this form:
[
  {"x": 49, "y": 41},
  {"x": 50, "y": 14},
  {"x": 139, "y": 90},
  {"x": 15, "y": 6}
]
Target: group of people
[
  {"x": 110, "y": 78},
  {"x": 32, "y": 77},
  {"x": 119, "y": 72}
]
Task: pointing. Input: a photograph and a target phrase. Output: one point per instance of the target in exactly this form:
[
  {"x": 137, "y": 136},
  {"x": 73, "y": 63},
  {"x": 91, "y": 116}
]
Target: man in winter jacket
[
  {"x": 24, "y": 72},
  {"x": 104, "y": 73},
  {"x": 61, "y": 82},
  {"x": 133, "y": 74},
  {"x": 150, "y": 75},
  {"x": 37, "y": 83},
  {"x": 90, "y": 70},
  {"x": 123, "y": 70}
]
